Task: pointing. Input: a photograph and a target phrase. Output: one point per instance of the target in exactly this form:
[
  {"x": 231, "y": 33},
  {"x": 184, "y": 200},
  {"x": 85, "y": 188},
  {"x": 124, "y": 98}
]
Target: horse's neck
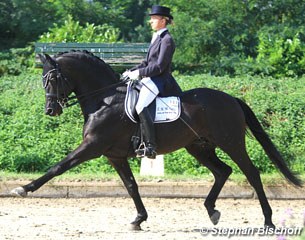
[
  {"x": 112, "y": 97},
  {"x": 87, "y": 77},
  {"x": 87, "y": 86}
]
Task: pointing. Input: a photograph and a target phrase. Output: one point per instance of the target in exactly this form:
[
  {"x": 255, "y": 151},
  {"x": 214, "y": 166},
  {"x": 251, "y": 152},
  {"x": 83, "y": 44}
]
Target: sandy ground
[{"x": 108, "y": 218}]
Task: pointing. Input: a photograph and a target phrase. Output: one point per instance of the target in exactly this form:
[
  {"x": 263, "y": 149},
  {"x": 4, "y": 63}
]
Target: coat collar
[{"x": 161, "y": 32}]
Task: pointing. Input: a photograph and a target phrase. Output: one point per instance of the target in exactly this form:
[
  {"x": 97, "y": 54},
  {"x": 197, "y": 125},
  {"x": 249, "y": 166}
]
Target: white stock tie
[{"x": 154, "y": 37}]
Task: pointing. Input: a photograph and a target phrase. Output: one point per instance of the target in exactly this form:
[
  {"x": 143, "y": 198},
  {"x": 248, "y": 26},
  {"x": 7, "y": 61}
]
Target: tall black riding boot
[{"x": 148, "y": 130}]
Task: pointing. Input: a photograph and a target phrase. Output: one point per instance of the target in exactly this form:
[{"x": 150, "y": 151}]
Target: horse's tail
[{"x": 263, "y": 138}]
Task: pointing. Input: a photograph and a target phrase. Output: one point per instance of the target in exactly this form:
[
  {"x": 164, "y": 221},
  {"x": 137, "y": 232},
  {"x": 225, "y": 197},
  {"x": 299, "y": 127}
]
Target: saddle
[{"x": 162, "y": 109}]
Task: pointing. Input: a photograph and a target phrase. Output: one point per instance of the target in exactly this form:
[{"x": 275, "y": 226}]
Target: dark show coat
[{"x": 157, "y": 65}]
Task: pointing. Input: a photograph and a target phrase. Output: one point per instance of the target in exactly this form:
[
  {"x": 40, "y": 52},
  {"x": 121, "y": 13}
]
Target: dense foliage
[
  {"x": 72, "y": 31},
  {"x": 32, "y": 141},
  {"x": 232, "y": 37},
  {"x": 23, "y": 21},
  {"x": 226, "y": 37}
]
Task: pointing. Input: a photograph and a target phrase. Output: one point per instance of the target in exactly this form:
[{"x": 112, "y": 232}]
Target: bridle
[{"x": 63, "y": 84}]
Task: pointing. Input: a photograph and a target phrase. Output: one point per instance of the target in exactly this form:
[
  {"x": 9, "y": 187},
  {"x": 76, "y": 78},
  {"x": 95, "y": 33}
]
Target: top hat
[{"x": 161, "y": 11}]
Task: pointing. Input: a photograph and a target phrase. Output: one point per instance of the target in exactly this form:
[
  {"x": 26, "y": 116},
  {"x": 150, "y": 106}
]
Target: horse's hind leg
[
  {"x": 245, "y": 164},
  {"x": 221, "y": 171},
  {"x": 123, "y": 169}
]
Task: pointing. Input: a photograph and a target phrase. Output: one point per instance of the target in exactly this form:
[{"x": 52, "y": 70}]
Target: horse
[{"x": 209, "y": 119}]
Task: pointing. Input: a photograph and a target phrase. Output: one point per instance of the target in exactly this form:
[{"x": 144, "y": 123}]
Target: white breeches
[{"x": 148, "y": 92}]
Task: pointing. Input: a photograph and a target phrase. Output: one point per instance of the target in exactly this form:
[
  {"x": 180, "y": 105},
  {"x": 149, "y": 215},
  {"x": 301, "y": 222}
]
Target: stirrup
[
  {"x": 141, "y": 150},
  {"x": 146, "y": 151}
]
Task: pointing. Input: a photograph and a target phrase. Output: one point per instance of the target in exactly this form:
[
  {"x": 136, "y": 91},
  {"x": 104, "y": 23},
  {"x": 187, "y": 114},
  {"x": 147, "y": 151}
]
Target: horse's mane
[{"x": 88, "y": 56}]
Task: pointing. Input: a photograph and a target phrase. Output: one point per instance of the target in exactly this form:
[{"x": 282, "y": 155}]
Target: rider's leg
[{"x": 148, "y": 93}]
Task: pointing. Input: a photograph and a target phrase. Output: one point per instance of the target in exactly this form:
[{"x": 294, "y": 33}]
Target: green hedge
[
  {"x": 278, "y": 103},
  {"x": 32, "y": 141}
]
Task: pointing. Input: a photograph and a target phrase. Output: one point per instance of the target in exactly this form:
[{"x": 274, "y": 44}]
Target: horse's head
[
  {"x": 55, "y": 84},
  {"x": 78, "y": 72}
]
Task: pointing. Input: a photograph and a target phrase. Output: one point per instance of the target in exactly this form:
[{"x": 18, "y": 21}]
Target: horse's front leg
[
  {"x": 87, "y": 150},
  {"x": 123, "y": 169}
]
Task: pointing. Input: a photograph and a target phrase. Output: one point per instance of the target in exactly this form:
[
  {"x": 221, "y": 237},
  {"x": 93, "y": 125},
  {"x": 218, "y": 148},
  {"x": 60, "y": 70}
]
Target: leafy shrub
[
  {"x": 72, "y": 31},
  {"x": 32, "y": 141},
  {"x": 16, "y": 60},
  {"x": 239, "y": 37},
  {"x": 285, "y": 55},
  {"x": 279, "y": 105}
]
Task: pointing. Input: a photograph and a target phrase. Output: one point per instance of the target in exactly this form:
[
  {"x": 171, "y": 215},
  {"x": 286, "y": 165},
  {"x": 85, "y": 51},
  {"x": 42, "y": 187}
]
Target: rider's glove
[
  {"x": 125, "y": 74},
  {"x": 132, "y": 75}
]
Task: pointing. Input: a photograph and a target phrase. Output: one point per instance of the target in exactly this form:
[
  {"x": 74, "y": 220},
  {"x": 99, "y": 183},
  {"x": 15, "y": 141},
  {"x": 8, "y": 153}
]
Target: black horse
[{"x": 209, "y": 119}]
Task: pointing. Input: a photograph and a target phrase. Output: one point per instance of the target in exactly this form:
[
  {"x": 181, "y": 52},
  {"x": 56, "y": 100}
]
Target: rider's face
[{"x": 157, "y": 22}]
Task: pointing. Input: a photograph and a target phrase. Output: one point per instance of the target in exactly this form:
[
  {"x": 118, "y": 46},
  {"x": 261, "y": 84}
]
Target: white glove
[
  {"x": 125, "y": 74},
  {"x": 133, "y": 75}
]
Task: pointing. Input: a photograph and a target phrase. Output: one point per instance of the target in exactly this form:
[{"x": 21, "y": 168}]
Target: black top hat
[{"x": 161, "y": 11}]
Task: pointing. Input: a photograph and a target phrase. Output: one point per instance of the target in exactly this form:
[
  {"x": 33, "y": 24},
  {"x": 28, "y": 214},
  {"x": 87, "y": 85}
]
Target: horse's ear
[
  {"x": 42, "y": 58},
  {"x": 50, "y": 59}
]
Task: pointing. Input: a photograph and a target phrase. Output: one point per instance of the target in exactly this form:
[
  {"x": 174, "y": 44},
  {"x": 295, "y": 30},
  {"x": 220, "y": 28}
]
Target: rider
[{"x": 155, "y": 75}]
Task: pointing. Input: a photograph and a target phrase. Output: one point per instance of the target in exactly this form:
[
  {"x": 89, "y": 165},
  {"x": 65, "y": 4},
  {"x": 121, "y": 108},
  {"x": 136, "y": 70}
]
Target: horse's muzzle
[
  {"x": 49, "y": 111},
  {"x": 54, "y": 110}
]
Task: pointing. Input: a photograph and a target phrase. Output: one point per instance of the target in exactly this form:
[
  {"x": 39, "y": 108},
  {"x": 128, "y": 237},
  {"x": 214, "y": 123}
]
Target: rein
[
  {"x": 93, "y": 93},
  {"x": 60, "y": 80}
]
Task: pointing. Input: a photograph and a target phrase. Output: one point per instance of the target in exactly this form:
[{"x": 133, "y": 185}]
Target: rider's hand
[
  {"x": 133, "y": 75},
  {"x": 125, "y": 74}
]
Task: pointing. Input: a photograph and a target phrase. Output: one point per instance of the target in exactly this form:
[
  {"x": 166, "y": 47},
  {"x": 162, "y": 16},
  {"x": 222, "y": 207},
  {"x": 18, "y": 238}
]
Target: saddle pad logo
[{"x": 167, "y": 109}]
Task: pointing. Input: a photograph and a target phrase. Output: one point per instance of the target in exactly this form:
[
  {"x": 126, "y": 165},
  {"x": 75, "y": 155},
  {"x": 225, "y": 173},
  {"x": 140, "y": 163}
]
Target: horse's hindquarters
[{"x": 214, "y": 116}]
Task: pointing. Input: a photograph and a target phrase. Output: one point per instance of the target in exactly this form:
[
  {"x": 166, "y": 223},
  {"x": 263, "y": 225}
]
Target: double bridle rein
[{"x": 63, "y": 84}]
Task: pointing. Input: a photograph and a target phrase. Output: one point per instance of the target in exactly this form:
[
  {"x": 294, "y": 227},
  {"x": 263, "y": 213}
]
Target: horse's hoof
[
  {"x": 19, "y": 192},
  {"x": 269, "y": 226},
  {"x": 134, "y": 227},
  {"x": 215, "y": 217}
]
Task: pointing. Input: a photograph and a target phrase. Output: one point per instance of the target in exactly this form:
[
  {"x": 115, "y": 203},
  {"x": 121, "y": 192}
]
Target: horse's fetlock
[{"x": 210, "y": 207}]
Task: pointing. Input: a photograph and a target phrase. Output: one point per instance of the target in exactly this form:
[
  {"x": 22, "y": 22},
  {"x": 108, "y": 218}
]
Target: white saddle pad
[{"x": 168, "y": 109}]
